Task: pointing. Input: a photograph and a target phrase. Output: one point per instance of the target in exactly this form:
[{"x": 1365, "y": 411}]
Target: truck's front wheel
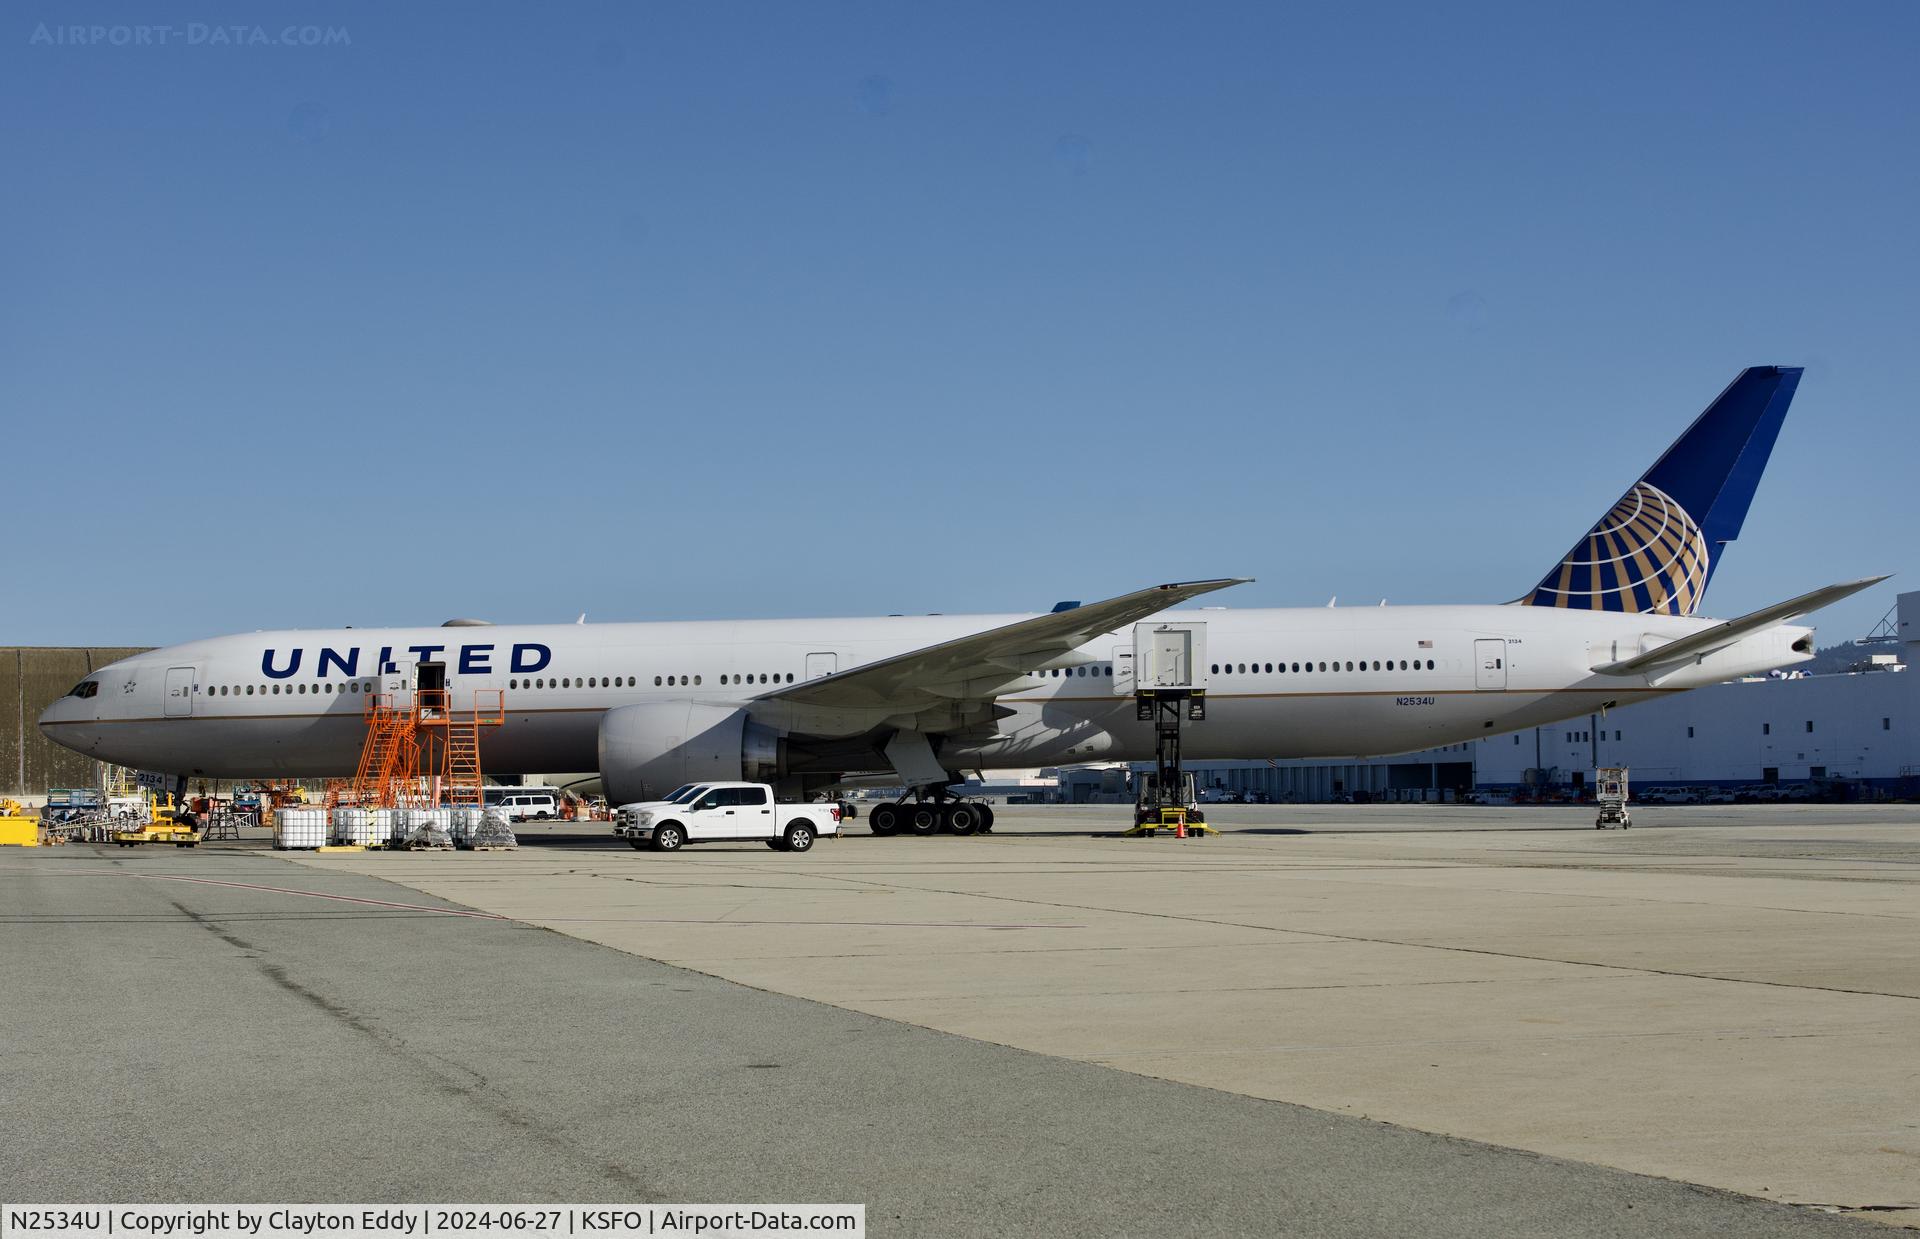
[
  {"x": 668, "y": 839},
  {"x": 799, "y": 837}
]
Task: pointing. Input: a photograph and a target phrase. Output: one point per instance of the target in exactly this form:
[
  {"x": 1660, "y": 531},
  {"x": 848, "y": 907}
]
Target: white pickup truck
[{"x": 699, "y": 812}]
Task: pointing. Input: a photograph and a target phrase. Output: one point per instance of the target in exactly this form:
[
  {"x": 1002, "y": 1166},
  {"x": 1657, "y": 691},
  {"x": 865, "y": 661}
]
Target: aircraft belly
[{"x": 329, "y": 746}]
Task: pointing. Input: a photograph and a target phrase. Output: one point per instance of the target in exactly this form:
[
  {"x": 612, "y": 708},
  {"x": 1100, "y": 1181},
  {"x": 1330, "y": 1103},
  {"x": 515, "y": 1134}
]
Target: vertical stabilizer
[{"x": 1656, "y": 549}]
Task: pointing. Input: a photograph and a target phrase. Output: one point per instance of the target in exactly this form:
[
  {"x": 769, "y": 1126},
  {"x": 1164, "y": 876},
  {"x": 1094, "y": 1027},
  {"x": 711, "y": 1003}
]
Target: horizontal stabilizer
[{"x": 1700, "y": 644}]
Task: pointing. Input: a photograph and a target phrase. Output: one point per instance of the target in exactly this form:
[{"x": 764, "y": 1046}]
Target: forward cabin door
[
  {"x": 1490, "y": 665},
  {"x": 179, "y": 692},
  {"x": 712, "y": 815}
]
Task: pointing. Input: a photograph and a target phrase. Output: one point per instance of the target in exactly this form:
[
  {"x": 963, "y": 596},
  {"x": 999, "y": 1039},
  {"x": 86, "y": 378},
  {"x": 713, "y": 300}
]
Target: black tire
[
  {"x": 799, "y": 838},
  {"x": 986, "y": 817},
  {"x": 884, "y": 820},
  {"x": 962, "y": 819},
  {"x": 668, "y": 838},
  {"x": 924, "y": 820}
]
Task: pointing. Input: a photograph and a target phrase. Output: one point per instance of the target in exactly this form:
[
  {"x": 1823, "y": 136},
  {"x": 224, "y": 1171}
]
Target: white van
[{"x": 522, "y": 804}]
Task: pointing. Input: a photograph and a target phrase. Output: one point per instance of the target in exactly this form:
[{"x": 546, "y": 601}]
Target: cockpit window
[{"x": 85, "y": 688}]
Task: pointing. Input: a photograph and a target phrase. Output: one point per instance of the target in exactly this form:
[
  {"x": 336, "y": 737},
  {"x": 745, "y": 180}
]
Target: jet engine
[{"x": 648, "y": 750}]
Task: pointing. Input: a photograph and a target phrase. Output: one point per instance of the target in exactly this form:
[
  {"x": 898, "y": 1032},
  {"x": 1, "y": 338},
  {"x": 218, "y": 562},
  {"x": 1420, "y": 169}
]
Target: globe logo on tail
[{"x": 1645, "y": 555}]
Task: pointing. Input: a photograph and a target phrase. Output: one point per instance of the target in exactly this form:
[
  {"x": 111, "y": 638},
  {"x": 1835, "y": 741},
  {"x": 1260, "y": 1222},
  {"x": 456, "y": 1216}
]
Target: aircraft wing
[
  {"x": 983, "y": 664},
  {"x": 1698, "y": 645}
]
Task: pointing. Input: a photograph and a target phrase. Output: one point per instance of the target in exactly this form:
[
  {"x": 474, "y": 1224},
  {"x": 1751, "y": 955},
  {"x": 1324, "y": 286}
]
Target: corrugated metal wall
[{"x": 31, "y": 678}]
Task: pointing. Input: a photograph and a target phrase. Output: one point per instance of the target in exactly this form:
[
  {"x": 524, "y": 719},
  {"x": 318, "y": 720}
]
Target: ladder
[
  {"x": 389, "y": 756},
  {"x": 461, "y": 781},
  {"x": 452, "y": 741}
]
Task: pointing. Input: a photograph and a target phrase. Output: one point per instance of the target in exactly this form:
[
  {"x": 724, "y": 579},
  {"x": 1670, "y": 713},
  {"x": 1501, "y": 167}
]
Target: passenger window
[
  {"x": 696, "y": 679},
  {"x": 752, "y": 795}
]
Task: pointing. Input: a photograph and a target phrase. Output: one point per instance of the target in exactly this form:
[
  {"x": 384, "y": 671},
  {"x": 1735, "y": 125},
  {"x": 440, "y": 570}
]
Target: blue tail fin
[{"x": 1656, "y": 549}]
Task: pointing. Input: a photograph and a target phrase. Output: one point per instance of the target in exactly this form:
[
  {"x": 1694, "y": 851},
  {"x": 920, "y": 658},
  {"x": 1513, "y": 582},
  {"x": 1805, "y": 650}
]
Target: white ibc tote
[
  {"x": 300, "y": 828},
  {"x": 354, "y": 826}
]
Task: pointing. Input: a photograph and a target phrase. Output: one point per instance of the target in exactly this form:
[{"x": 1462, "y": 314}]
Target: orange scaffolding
[
  {"x": 451, "y": 743},
  {"x": 421, "y": 755}
]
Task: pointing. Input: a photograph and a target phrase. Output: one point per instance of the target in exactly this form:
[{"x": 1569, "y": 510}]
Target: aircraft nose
[{"x": 68, "y": 723}]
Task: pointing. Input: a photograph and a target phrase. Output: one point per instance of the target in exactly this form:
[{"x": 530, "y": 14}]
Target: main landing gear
[{"x": 931, "y": 813}]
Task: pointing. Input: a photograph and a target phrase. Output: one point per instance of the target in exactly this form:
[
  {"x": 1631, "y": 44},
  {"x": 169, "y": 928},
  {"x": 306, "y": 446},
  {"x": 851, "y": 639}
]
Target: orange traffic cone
[{"x": 1180, "y": 828}]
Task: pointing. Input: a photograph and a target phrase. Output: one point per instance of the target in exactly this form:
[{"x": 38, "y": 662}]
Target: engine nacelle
[{"x": 648, "y": 750}]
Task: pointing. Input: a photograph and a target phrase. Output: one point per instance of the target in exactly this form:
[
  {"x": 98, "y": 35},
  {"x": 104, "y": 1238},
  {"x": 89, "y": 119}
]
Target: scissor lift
[
  {"x": 1163, "y": 672},
  {"x": 1610, "y": 792}
]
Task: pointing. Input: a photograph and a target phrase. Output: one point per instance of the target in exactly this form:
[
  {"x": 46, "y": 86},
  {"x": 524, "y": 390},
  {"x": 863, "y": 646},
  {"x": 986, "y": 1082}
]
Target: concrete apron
[{"x": 1736, "y": 1006}]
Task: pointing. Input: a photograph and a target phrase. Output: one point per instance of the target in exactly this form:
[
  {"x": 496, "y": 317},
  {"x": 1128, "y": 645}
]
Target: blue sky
[{"x": 711, "y": 310}]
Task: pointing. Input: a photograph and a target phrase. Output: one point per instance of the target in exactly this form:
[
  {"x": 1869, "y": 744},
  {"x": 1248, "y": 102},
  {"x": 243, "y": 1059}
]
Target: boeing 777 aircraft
[{"x": 810, "y": 703}]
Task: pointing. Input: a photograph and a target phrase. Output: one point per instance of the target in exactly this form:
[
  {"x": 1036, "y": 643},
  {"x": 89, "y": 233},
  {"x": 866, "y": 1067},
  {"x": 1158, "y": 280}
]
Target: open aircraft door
[
  {"x": 1490, "y": 664},
  {"x": 179, "y": 692}
]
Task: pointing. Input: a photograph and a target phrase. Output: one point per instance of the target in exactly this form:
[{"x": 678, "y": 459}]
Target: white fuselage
[{"x": 1395, "y": 679}]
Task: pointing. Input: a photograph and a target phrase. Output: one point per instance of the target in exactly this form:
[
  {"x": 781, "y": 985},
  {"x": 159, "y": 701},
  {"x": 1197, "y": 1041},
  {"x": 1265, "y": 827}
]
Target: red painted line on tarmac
[{"x": 287, "y": 890}]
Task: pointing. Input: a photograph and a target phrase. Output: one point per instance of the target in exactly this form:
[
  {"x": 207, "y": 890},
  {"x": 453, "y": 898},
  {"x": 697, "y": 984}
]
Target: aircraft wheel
[
  {"x": 884, "y": 820},
  {"x": 962, "y": 819},
  {"x": 924, "y": 820},
  {"x": 986, "y": 817}
]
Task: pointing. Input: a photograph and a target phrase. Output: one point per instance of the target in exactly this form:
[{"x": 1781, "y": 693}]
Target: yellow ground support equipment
[
  {"x": 1177, "y": 819},
  {"x": 17, "y": 828},
  {"x": 161, "y": 826}
]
